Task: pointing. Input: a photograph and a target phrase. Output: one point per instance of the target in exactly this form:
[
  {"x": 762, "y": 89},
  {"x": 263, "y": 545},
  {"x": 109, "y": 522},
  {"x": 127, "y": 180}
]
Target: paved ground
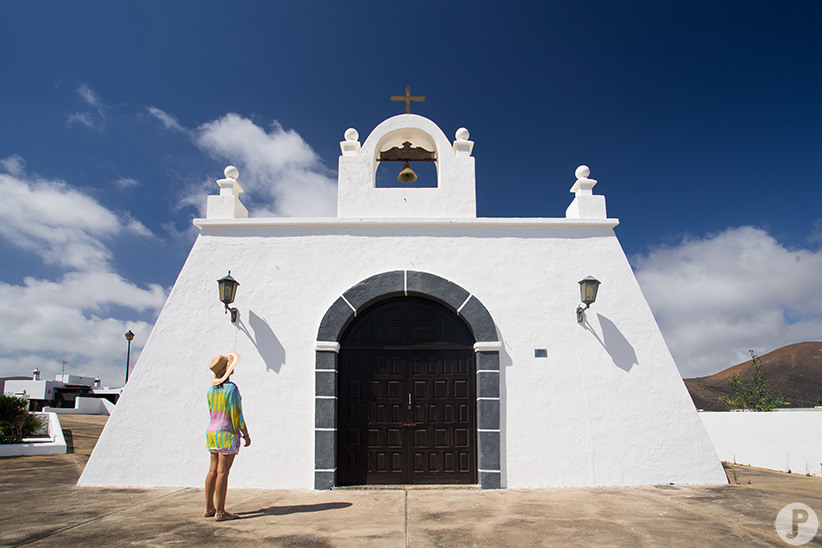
[{"x": 40, "y": 506}]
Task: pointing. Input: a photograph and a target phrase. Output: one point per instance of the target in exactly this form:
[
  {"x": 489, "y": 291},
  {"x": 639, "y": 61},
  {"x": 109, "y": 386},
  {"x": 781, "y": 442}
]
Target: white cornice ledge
[
  {"x": 327, "y": 346},
  {"x": 331, "y": 222},
  {"x": 489, "y": 346}
]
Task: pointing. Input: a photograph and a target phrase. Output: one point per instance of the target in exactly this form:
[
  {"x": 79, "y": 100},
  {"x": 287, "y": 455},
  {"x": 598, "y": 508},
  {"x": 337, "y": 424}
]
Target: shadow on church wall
[
  {"x": 615, "y": 343},
  {"x": 264, "y": 340}
]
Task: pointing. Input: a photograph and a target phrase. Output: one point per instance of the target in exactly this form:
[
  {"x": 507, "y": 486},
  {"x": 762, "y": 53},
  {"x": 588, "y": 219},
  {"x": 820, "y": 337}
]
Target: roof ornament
[
  {"x": 408, "y": 99},
  {"x": 407, "y": 152}
]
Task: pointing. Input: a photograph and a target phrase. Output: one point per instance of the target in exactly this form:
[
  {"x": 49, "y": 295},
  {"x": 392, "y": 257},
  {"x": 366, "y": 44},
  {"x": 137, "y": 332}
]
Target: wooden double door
[{"x": 406, "y": 397}]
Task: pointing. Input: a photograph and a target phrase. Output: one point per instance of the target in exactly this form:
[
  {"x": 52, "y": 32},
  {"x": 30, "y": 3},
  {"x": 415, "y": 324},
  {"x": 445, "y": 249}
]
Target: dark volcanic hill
[{"x": 795, "y": 370}]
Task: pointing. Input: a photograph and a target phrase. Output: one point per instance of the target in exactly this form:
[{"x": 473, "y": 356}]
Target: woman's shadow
[{"x": 297, "y": 509}]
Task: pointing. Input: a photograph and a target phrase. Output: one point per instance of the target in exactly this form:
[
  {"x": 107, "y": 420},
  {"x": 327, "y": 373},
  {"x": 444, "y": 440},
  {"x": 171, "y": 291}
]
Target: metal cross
[{"x": 407, "y": 99}]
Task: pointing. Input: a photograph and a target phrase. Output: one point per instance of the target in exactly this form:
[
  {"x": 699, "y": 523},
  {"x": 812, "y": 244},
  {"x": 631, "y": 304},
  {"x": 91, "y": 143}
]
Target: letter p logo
[
  {"x": 800, "y": 515},
  {"x": 796, "y": 524}
]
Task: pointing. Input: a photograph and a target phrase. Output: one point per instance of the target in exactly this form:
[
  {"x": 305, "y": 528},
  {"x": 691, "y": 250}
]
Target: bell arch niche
[
  {"x": 406, "y": 145},
  {"x": 486, "y": 349},
  {"x": 453, "y": 197}
]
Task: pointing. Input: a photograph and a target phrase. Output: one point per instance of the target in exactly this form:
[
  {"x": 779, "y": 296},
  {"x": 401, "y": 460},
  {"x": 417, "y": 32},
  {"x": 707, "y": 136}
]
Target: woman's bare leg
[
  {"x": 221, "y": 487},
  {"x": 210, "y": 482}
]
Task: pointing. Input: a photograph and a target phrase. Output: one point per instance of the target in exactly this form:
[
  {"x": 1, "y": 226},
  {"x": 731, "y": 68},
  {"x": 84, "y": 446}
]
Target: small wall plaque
[{"x": 540, "y": 352}]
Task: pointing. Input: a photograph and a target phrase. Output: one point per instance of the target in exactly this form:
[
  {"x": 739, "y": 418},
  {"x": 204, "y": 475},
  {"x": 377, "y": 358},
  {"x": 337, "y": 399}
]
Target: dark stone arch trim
[
  {"x": 411, "y": 283},
  {"x": 407, "y": 282}
]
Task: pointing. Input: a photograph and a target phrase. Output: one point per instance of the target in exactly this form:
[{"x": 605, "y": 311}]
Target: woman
[{"x": 223, "y": 435}]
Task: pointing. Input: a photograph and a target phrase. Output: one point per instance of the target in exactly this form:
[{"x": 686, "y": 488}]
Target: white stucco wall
[
  {"x": 607, "y": 407},
  {"x": 786, "y": 440}
]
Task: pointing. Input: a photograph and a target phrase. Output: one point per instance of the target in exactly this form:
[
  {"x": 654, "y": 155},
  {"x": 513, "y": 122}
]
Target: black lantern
[
  {"x": 228, "y": 290},
  {"x": 587, "y": 294}
]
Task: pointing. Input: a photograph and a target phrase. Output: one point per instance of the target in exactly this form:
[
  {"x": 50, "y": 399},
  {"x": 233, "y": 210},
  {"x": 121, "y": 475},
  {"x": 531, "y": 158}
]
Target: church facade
[{"x": 407, "y": 341}]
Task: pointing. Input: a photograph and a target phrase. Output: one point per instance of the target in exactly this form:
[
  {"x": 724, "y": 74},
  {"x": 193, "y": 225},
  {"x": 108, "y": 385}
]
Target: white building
[
  {"x": 58, "y": 393},
  {"x": 408, "y": 341}
]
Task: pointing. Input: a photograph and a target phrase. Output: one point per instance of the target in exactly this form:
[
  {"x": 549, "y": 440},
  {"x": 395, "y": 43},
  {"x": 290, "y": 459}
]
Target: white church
[{"x": 407, "y": 341}]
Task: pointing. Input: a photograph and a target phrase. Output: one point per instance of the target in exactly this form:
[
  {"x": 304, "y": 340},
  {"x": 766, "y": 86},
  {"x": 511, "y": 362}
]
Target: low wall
[
  {"x": 786, "y": 440},
  {"x": 84, "y": 406},
  {"x": 55, "y": 446}
]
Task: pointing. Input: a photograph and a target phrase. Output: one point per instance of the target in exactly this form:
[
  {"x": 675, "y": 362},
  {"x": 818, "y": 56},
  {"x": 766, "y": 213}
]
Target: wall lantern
[
  {"x": 587, "y": 294},
  {"x": 228, "y": 290}
]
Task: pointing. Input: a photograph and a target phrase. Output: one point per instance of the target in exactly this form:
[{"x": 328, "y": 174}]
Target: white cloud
[
  {"x": 73, "y": 317},
  {"x": 13, "y": 165},
  {"x": 134, "y": 226},
  {"x": 195, "y": 195},
  {"x": 61, "y": 224},
  {"x": 277, "y": 167},
  {"x": 126, "y": 182},
  {"x": 94, "y": 119},
  {"x": 718, "y": 296},
  {"x": 280, "y": 173},
  {"x": 66, "y": 316},
  {"x": 82, "y": 118},
  {"x": 169, "y": 121},
  {"x": 816, "y": 232},
  {"x": 89, "y": 96}
]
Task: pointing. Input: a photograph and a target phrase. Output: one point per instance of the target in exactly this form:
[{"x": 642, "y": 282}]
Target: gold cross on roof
[{"x": 407, "y": 99}]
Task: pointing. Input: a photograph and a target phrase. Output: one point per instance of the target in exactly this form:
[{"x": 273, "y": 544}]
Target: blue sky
[{"x": 701, "y": 121}]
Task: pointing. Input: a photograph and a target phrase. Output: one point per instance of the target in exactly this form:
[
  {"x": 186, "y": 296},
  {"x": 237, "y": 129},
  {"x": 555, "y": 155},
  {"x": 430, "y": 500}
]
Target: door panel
[{"x": 407, "y": 413}]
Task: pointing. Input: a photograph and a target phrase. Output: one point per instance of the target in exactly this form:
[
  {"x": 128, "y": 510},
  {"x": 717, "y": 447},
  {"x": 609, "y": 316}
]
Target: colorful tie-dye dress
[{"x": 226, "y": 410}]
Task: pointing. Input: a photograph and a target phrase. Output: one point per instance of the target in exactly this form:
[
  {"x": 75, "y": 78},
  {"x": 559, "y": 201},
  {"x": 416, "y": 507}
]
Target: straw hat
[{"x": 223, "y": 365}]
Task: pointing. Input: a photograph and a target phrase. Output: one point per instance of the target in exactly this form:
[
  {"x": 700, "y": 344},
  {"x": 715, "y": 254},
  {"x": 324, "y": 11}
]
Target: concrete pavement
[{"x": 40, "y": 506}]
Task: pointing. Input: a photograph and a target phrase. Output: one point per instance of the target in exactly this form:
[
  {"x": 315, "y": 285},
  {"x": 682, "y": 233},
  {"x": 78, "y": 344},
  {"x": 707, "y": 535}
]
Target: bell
[{"x": 407, "y": 174}]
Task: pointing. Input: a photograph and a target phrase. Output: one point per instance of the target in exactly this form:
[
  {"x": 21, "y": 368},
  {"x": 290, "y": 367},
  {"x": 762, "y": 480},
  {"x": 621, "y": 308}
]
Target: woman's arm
[{"x": 237, "y": 416}]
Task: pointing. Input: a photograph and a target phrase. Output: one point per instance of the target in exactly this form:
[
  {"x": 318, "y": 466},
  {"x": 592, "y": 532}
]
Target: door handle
[{"x": 409, "y": 424}]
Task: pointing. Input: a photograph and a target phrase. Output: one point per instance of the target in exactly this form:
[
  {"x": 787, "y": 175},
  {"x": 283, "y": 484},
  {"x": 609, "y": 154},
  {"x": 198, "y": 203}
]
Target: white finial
[
  {"x": 462, "y": 134},
  {"x": 227, "y": 205},
  {"x": 583, "y": 185},
  {"x": 232, "y": 172},
  {"x": 351, "y": 145}
]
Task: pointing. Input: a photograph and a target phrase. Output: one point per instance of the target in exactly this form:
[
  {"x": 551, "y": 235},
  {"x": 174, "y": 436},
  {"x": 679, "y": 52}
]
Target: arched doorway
[
  {"x": 379, "y": 288},
  {"x": 406, "y": 396}
]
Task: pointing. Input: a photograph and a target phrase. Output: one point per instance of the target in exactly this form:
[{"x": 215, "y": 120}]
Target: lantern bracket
[
  {"x": 581, "y": 313},
  {"x": 234, "y": 313}
]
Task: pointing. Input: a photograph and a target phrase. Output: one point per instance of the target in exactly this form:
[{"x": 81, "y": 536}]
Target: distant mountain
[{"x": 795, "y": 370}]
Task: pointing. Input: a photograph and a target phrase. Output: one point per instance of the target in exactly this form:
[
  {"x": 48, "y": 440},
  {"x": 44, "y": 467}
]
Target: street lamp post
[{"x": 129, "y": 337}]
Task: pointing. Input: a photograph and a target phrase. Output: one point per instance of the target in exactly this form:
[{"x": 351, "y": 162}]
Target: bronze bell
[{"x": 407, "y": 174}]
